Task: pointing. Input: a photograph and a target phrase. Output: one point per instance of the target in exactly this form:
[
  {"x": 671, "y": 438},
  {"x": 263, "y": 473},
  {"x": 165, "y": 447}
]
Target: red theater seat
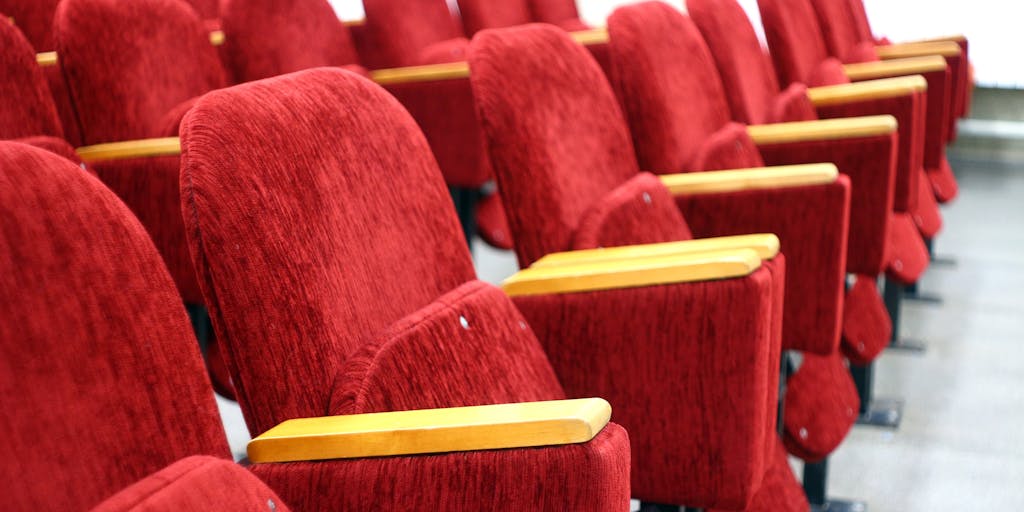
[
  {"x": 337, "y": 298},
  {"x": 568, "y": 176}
]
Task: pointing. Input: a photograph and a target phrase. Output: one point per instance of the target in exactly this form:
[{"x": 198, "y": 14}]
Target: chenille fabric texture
[
  {"x": 332, "y": 297},
  {"x": 265, "y": 38},
  {"x": 812, "y": 429},
  {"x": 800, "y": 54},
  {"x": 568, "y": 176},
  {"x": 780, "y": 492},
  {"x": 27, "y": 106},
  {"x": 196, "y": 484},
  {"x": 868, "y": 335},
  {"x": 408, "y": 30},
  {"x": 34, "y": 18},
  {"x": 110, "y": 377},
  {"x": 666, "y": 80},
  {"x": 125, "y": 95}
]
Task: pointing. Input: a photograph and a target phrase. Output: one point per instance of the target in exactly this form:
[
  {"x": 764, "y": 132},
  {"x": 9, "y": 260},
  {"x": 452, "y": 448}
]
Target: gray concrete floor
[{"x": 961, "y": 444}]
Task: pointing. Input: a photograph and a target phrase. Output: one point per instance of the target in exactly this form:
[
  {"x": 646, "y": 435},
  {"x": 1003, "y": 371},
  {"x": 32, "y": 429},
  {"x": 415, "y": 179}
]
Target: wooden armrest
[
  {"x": 427, "y": 73},
  {"x": 354, "y": 23},
  {"x": 867, "y": 91},
  {"x": 46, "y": 59},
  {"x": 640, "y": 272},
  {"x": 458, "y": 429},
  {"x": 144, "y": 148},
  {"x": 898, "y": 67},
  {"x": 750, "y": 179},
  {"x": 590, "y": 37},
  {"x": 921, "y": 49},
  {"x": 765, "y": 245},
  {"x": 825, "y": 129}
]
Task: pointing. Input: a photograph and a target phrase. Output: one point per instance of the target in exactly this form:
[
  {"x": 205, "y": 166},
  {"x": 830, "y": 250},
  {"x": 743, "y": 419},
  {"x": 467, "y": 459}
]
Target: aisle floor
[{"x": 961, "y": 443}]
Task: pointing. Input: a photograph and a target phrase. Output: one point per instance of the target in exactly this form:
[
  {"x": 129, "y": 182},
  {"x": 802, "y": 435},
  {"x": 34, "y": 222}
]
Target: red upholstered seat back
[
  {"x": 130, "y": 62},
  {"x": 744, "y": 67},
  {"x": 317, "y": 217},
  {"x": 402, "y": 29},
  {"x": 34, "y": 18},
  {"x": 557, "y": 139},
  {"x": 206, "y": 9},
  {"x": 101, "y": 380},
  {"x": 557, "y": 12},
  {"x": 26, "y": 107},
  {"x": 667, "y": 83},
  {"x": 838, "y": 28},
  {"x": 481, "y": 14},
  {"x": 795, "y": 39},
  {"x": 859, "y": 17},
  {"x": 267, "y": 38}
]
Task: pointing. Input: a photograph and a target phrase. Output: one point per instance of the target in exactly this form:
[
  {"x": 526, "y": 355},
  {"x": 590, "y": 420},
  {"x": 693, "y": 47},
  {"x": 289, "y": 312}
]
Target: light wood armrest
[
  {"x": 920, "y": 49},
  {"x": 427, "y": 73},
  {"x": 825, "y": 129},
  {"x": 144, "y": 148},
  {"x": 354, "y": 23},
  {"x": 867, "y": 91},
  {"x": 635, "y": 273},
  {"x": 46, "y": 59},
  {"x": 735, "y": 180},
  {"x": 592, "y": 36},
  {"x": 458, "y": 429},
  {"x": 765, "y": 245},
  {"x": 898, "y": 67}
]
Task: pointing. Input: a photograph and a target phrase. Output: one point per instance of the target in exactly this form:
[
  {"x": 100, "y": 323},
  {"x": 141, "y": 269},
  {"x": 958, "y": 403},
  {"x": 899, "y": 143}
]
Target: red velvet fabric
[
  {"x": 839, "y": 31},
  {"x": 943, "y": 182},
  {"x": 743, "y": 66},
  {"x": 556, "y": 12},
  {"x": 265, "y": 38},
  {"x": 665, "y": 78},
  {"x": 34, "y": 18},
  {"x": 926, "y": 214},
  {"x": 93, "y": 335},
  {"x": 196, "y": 484},
  {"x": 780, "y": 491},
  {"x": 478, "y": 15},
  {"x": 810, "y": 221},
  {"x": 403, "y": 28},
  {"x": 868, "y": 328},
  {"x": 27, "y": 108},
  {"x": 821, "y": 407},
  {"x": 591, "y": 477},
  {"x": 793, "y": 105},
  {"x": 869, "y": 163},
  {"x": 492, "y": 222},
  {"x": 206, "y": 9},
  {"x": 640, "y": 211},
  {"x": 908, "y": 255},
  {"x": 557, "y": 140},
  {"x": 53, "y": 145},
  {"x": 124, "y": 95},
  {"x": 693, "y": 386},
  {"x": 796, "y": 42},
  {"x": 367, "y": 299}
]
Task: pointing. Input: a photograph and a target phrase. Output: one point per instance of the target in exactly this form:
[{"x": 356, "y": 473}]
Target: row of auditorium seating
[{"x": 729, "y": 313}]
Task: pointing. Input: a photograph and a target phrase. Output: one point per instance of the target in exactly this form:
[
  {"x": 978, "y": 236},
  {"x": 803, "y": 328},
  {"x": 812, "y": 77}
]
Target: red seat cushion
[
  {"x": 492, "y": 225},
  {"x": 640, "y": 211},
  {"x": 908, "y": 255},
  {"x": 867, "y": 328},
  {"x": 821, "y": 407},
  {"x": 780, "y": 491},
  {"x": 196, "y": 484}
]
